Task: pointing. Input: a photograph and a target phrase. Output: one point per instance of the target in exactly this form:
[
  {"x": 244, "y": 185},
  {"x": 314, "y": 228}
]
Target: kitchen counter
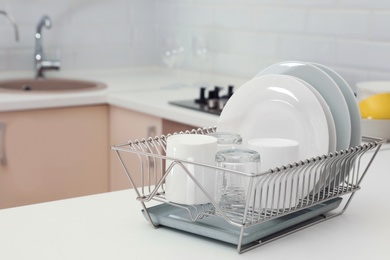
[
  {"x": 111, "y": 226},
  {"x": 156, "y": 103},
  {"x": 146, "y": 90}
]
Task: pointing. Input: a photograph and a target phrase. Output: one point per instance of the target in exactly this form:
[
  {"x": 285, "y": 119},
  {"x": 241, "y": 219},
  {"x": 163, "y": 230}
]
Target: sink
[{"x": 49, "y": 85}]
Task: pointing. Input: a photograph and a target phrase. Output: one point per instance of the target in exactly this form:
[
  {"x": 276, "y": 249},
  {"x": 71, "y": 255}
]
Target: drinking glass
[
  {"x": 232, "y": 189},
  {"x": 227, "y": 140}
]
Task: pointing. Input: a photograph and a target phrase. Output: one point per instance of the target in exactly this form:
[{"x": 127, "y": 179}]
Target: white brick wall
[
  {"x": 87, "y": 33},
  {"x": 351, "y": 36},
  {"x": 241, "y": 36}
]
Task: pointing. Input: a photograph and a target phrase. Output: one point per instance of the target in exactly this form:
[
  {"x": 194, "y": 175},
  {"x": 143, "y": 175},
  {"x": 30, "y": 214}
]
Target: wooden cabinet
[
  {"x": 128, "y": 125},
  {"x": 171, "y": 126},
  {"x": 53, "y": 154}
]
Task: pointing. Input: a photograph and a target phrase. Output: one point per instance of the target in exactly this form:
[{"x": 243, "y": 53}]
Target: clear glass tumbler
[
  {"x": 227, "y": 140},
  {"x": 232, "y": 189}
]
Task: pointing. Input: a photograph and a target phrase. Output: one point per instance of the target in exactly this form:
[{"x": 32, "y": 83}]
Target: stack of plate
[{"x": 307, "y": 102}]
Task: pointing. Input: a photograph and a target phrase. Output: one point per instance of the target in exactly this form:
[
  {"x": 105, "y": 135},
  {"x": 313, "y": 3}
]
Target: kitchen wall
[
  {"x": 85, "y": 33},
  {"x": 244, "y": 36},
  {"x": 238, "y": 37}
]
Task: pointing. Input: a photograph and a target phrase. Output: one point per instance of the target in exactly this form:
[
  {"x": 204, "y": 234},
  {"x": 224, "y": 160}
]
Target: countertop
[
  {"x": 111, "y": 226},
  {"x": 146, "y": 90}
]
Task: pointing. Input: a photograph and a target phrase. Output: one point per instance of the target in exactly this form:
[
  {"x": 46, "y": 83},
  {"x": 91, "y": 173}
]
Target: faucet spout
[
  {"x": 40, "y": 64},
  {"x": 44, "y": 22},
  {"x": 13, "y": 22}
]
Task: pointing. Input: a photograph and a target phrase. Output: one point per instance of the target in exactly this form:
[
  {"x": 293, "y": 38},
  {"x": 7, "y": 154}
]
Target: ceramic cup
[
  {"x": 274, "y": 152},
  {"x": 179, "y": 186}
]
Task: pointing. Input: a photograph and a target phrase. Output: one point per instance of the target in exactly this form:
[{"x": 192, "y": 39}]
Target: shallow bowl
[{"x": 376, "y": 128}]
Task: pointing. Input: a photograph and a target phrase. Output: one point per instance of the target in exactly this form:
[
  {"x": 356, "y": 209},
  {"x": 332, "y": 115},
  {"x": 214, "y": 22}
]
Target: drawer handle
[{"x": 3, "y": 156}]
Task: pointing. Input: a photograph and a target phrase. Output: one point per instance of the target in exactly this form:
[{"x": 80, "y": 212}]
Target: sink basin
[{"x": 49, "y": 85}]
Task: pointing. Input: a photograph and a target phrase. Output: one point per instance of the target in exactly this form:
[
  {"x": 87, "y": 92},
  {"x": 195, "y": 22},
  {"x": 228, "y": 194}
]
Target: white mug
[
  {"x": 179, "y": 186},
  {"x": 275, "y": 152}
]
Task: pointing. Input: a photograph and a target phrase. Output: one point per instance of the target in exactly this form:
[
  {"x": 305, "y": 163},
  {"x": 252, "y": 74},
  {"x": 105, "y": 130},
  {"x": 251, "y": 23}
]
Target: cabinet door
[
  {"x": 170, "y": 127},
  {"x": 54, "y": 154},
  {"x": 128, "y": 125}
]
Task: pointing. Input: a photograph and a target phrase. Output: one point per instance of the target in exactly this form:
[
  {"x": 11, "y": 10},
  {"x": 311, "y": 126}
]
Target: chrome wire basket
[{"x": 281, "y": 201}]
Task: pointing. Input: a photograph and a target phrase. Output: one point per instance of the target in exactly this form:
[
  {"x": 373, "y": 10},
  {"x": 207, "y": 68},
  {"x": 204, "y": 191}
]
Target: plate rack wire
[{"x": 271, "y": 194}]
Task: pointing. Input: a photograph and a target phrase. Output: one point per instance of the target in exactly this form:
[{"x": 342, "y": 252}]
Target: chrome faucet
[
  {"x": 40, "y": 63},
  {"x": 13, "y": 22}
]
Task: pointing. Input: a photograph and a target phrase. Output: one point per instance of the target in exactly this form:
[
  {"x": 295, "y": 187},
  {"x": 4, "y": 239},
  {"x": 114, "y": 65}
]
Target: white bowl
[{"x": 376, "y": 128}]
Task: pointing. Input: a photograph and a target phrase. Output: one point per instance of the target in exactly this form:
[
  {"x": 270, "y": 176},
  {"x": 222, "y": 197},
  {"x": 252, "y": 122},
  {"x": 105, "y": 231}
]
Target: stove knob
[
  {"x": 230, "y": 90},
  {"x": 212, "y": 100},
  {"x": 202, "y": 97},
  {"x": 216, "y": 91}
]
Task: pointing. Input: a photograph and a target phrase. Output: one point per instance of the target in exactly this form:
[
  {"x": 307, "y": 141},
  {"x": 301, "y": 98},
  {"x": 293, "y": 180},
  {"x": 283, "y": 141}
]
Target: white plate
[
  {"x": 328, "y": 89},
  {"x": 353, "y": 107},
  {"x": 328, "y": 115},
  {"x": 277, "y": 106}
]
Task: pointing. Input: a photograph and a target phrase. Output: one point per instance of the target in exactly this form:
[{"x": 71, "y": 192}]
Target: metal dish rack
[{"x": 273, "y": 194}]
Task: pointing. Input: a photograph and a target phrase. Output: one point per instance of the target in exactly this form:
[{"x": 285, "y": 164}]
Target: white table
[{"x": 110, "y": 226}]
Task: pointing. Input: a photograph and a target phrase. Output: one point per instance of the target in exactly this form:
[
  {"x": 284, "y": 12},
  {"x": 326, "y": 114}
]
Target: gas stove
[{"x": 212, "y": 104}]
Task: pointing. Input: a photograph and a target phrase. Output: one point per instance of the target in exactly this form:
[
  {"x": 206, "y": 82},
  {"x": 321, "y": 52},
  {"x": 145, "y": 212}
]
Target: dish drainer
[{"x": 301, "y": 194}]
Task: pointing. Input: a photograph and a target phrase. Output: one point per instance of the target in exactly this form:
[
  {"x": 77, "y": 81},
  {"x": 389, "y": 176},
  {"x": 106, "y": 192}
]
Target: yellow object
[{"x": 376, "y": 106}]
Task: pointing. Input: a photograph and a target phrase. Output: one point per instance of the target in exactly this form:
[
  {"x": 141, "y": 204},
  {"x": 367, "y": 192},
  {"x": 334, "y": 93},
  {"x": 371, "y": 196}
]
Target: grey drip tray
[{"x": 217, "y": 228}]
